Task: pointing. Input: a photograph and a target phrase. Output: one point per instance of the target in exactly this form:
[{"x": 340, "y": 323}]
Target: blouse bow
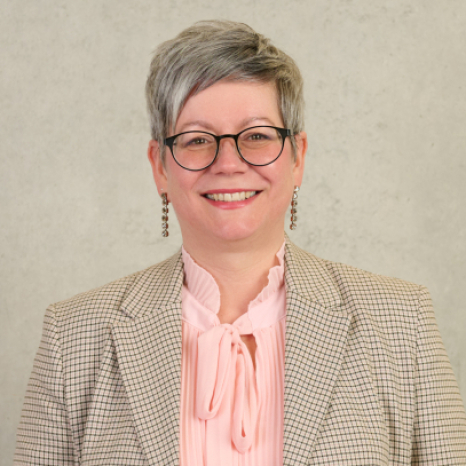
[{"x": 224, "y": 361}]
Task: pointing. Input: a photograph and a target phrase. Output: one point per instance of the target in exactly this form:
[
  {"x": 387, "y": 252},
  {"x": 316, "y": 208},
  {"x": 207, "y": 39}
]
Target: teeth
[{"x": 231, "y": 197}]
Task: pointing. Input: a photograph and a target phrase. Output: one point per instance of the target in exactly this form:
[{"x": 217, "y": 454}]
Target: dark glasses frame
[{"x": 284, "y": 132}]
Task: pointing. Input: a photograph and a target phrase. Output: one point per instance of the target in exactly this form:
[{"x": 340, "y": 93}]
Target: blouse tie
[{"x": 224, "y": 361}]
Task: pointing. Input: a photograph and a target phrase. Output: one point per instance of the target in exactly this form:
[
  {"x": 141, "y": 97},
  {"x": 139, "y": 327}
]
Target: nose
[{"x": 228, "y": 159}]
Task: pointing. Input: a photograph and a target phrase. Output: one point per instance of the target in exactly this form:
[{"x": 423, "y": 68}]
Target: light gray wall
[{"x": 385, "y": 183}]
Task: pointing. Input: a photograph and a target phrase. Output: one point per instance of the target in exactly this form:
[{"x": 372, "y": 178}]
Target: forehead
[{"x": 231, "y": 104}]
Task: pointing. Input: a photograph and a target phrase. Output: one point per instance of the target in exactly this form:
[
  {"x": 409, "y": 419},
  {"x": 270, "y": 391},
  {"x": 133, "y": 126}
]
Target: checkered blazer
[{"x": 367, "y": 378}]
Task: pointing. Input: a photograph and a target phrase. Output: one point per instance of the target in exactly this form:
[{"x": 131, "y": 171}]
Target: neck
[{"x": 240, "y": 269}]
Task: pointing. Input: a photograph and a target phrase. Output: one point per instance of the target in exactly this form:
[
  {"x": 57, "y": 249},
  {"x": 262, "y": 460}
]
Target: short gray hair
[{"x": 208, "y": 52}]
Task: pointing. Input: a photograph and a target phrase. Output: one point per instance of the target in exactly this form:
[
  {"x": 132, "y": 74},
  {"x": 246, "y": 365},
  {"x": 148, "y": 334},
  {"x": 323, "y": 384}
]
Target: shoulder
[
  {"x": 384, "y": 314},
  {"x": 366, "y": 287},
  {"x": 116, "y": 300},
  {"x": 340, "y": 285}
]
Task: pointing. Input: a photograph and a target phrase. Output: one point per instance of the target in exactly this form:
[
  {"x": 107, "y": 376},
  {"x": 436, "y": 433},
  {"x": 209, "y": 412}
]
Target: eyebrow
[
  {"x": 250, "y": 120},
  {"x": 206, "y": 125},
  {"x": 196, "y": 123}
]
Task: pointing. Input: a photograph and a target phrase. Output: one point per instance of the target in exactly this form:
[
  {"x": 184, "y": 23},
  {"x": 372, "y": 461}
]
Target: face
[{"x": 228, "y": 108}]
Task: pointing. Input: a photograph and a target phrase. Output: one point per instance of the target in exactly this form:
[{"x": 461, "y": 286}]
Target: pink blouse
[{"x": 231, "y": 413}]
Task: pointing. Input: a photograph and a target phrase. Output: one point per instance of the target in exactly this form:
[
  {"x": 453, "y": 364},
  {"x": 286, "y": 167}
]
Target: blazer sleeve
[
  {"x": 44, "y": 434},
  {"x": 439, "y": 435}
]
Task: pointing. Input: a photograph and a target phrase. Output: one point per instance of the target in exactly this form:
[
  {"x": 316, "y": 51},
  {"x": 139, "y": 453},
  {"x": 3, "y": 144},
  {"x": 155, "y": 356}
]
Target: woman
[{"x": 242, "y": 348}]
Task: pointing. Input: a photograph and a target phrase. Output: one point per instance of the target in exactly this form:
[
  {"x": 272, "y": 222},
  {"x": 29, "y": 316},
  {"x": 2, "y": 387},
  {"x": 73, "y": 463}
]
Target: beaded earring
[
  {"x": 164, "y": 215},
  {"x": 294, "y": 210}
]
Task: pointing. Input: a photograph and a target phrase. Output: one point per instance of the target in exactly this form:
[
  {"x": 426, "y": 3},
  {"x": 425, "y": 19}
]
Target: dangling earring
[
  {"x": 164, "y": 215},
  {"x": 294, "y": 210}
]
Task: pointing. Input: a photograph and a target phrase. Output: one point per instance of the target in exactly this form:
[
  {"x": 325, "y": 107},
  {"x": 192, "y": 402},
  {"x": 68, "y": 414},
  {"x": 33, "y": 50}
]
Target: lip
[{"x": 231, "y": 204}]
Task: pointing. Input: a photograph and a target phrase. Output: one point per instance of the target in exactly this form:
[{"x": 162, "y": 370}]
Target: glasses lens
[
  {"x": 194, "y": 150},
  {"x": 260, "y": 145}
]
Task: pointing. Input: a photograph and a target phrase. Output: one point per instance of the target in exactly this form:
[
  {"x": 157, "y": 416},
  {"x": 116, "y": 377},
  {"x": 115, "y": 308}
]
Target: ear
[
  {"x": 301, "y": 149},
  {"x": 158, "y": 169}
]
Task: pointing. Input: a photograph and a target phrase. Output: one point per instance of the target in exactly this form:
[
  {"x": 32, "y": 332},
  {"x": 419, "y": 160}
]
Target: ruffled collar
[{"x": 203, "y": 294}]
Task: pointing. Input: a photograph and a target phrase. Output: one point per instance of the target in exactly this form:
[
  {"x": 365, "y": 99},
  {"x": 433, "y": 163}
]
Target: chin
[
  {"x": 241, "y": 231},
  {"x": 234, "y": 234}
]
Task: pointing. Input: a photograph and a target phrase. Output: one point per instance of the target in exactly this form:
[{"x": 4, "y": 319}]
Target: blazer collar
[
  {"x": 309, "y": 276},
  {"x": 148, "y": 347},
  {"x": 161, "y": 284},
  {"x": 155, "y": 288}
]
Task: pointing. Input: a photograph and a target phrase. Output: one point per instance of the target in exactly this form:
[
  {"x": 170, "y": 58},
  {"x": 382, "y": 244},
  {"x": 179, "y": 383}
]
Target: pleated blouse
[{"x": 231, "y": 412}]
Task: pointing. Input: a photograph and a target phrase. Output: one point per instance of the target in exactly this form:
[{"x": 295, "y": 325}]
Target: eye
[
  {"x": 194, "y": 141},
  {"x": 197, "y": 141},
  {"x": 257, "y": 136}
]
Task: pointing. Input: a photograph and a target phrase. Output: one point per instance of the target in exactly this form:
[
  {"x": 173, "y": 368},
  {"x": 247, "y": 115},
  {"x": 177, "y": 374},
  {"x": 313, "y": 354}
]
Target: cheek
[
  {"x": 178, "y": 179},
  {"x": 280, "y": 176},
  {"x": 181, "y": 190},
  {"x": 285, "y": 185}
]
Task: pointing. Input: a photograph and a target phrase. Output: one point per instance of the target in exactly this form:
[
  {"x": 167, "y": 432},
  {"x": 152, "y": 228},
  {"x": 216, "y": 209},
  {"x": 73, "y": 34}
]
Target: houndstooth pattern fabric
[{"x": 367, "y": 378}]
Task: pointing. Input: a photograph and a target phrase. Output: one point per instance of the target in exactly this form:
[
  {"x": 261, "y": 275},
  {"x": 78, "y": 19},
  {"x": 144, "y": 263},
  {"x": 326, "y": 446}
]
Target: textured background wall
[{"x": 385, "y": 184}]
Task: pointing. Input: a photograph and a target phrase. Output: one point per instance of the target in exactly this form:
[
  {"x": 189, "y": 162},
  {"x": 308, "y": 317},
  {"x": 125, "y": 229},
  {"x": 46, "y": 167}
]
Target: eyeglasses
[{"x": 258, "y": 146}]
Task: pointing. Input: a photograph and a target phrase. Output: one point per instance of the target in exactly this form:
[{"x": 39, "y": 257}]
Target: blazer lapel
[
  {"x": 316, "y": 332},
  {"x": 148, "y": 347}
]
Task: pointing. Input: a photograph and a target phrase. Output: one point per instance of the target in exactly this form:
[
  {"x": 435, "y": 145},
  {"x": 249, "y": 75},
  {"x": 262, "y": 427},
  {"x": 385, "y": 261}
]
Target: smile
[{"x": 231, "y": 197}]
